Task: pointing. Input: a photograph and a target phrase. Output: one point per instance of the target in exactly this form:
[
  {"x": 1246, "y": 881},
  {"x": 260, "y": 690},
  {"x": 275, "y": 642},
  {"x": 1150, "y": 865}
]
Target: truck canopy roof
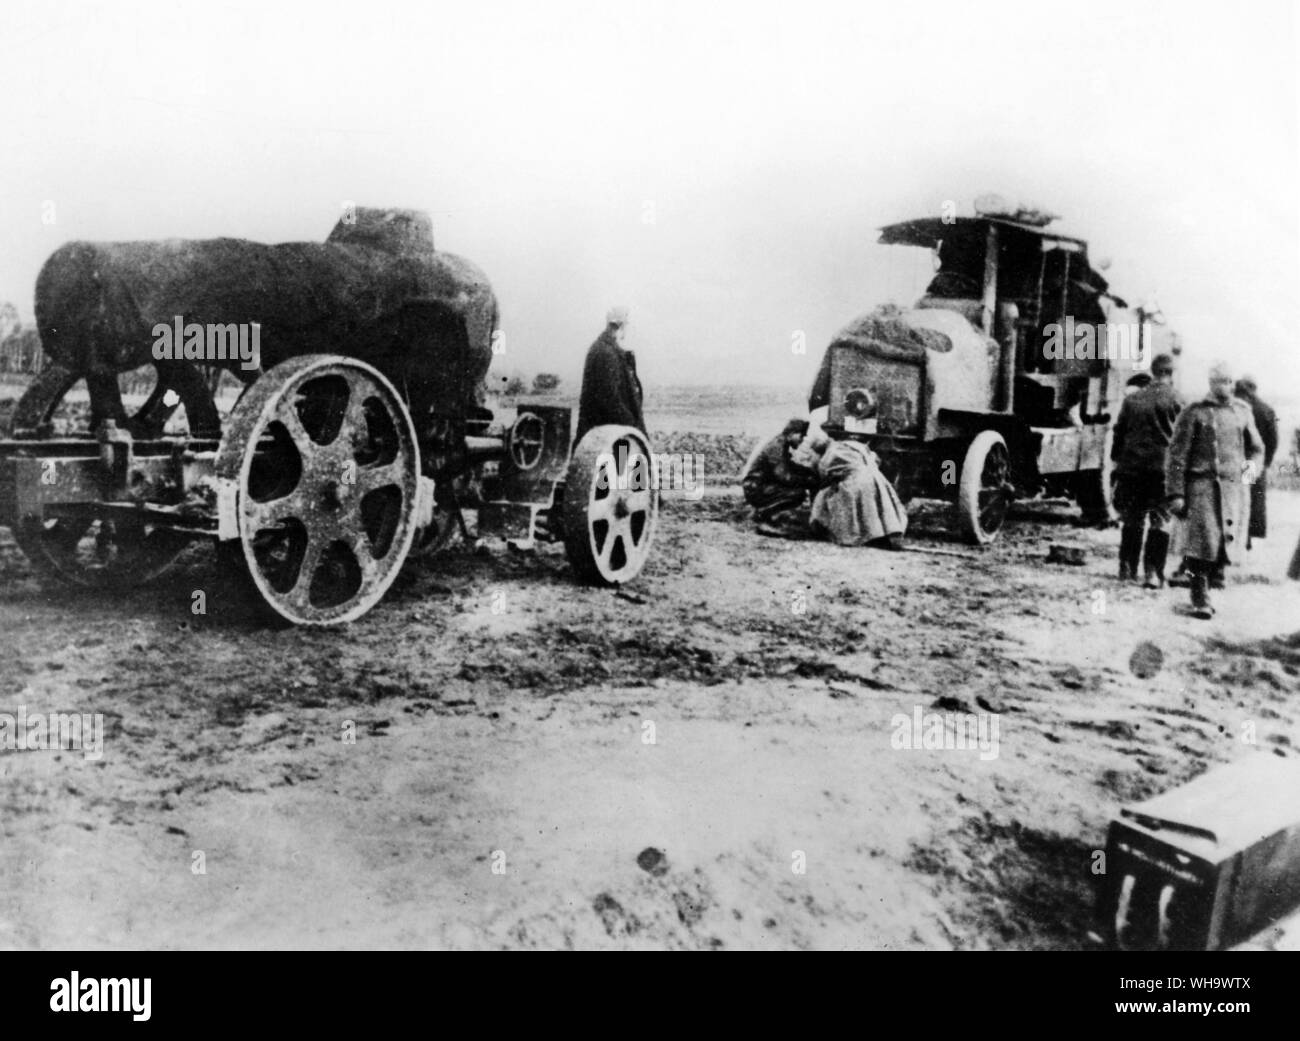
[
  {"x": 930, "y": 231},
  {"x": 1021, "y": 247}
]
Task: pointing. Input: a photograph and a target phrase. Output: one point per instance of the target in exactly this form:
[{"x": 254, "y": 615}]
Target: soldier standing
[
  {"x": 1212, "y": 457},
  {"x": 1142, "y": 434},
  {"x": 611, "y": 390},
  {"x": 1266, "y": 424}
]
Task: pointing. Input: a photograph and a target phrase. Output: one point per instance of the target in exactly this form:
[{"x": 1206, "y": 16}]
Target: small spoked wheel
[
  {"x": 324, "y": 460},
  {"x": 610, "y": 505},
  {"x": 83, "y": 549},
  {"x": 79, "y": 544},
  {"x": 526, "y": 440},
  {"x": 986, "y": 491}
]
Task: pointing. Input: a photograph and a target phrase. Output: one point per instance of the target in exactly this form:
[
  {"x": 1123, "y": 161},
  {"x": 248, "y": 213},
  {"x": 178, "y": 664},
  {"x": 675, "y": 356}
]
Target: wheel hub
[{"x": 335, "y": 495}]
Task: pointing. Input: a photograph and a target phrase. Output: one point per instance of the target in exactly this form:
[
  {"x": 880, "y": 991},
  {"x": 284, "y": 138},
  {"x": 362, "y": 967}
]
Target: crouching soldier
[
  {"x": 1142, "y": 435},
  {"x": 1212, "y": 459},
  {"x": 857, "y": 506},
  {"x": 777, "y": 486}
]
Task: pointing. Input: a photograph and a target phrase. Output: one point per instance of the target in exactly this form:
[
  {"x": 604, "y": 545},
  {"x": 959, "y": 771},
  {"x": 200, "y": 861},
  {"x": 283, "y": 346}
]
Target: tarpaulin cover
[
  {"x": 97, "y": 303},
  {"x": 885, "y": 330}
]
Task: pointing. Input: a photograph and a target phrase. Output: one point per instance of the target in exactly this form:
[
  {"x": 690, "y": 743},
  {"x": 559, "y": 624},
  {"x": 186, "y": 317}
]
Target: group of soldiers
[
  {"x": 1191, "y": 479},
  {"x": 800, "y": 484}
]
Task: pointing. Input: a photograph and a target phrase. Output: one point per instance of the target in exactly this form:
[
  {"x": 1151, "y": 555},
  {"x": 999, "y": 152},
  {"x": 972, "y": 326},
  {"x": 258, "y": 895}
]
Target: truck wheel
[
  {"x": 322, "y": 459},
  {"x": 610, "y": 505},
  {"x": 985, "y": 491}
]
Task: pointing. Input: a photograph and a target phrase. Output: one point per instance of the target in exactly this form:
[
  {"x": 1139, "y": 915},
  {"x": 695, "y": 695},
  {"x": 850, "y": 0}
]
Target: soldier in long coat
[
  {"x": 1214, "y": 453},
  {"x": 1142, "y": 435},
  {"x": 611, "y": 390},
  {"x": 857, "y": 506},
  {"x": 1266, "y": 424}
]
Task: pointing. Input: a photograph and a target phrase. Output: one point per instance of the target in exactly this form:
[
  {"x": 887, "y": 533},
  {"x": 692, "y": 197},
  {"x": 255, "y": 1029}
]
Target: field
[{"x": 705, "y": 760}]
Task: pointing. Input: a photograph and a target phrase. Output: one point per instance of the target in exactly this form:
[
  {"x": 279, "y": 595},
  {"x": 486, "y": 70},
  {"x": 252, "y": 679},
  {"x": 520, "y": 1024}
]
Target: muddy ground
[{"x": 542, "y": 765}]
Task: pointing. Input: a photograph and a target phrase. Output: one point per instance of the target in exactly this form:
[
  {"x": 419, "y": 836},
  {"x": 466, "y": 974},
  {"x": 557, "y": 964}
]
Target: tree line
[{"x": 20, "y": 344}]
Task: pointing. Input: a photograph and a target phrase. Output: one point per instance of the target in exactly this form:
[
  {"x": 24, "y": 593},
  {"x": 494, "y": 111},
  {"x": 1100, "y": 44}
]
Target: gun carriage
[{"x": 357, "y": 442}]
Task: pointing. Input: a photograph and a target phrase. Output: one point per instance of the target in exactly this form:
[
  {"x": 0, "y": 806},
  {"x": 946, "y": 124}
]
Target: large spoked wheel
[
  {"x": 77, "y": 544},
  {"x": 324, "y": 462},
  {"x": 985, "y": 493},
  {"x": 610, "y": 505}
]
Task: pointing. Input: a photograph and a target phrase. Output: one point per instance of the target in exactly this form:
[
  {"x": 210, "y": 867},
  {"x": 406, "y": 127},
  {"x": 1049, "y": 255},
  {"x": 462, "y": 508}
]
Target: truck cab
[{"x": 1016, "y": 336}]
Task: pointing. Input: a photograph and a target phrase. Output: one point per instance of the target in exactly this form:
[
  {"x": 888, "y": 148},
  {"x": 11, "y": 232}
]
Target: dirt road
[{"x": 497, "y": 757}]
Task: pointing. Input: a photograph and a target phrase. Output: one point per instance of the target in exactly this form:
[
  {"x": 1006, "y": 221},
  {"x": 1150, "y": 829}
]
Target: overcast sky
[{"x": 719, "y": 168}]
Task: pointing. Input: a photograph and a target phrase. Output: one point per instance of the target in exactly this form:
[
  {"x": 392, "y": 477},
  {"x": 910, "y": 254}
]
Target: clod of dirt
[
  {"x": 612, "y": 916},
  {"x": 1146, "y": 660},
  {"x": 1071, "y": 677},
  {"x": 949, "y": 703},
  {"x": 1059, "y": 553},
  {"x": 653, "y": 861},
  {"x": 380, "y": 686},
  {"x": 690, "y": 909}
]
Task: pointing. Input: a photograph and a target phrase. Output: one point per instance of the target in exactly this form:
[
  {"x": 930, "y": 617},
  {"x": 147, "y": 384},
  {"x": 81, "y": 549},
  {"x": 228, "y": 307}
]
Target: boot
[
  {"x": 1216, "y": 577},
  {"x": 1201, "y": 607},
  {"x": 1153, "y": 559},
  {"x": 1130, "y": 548},
  {"x": 1182, "y": 578}
]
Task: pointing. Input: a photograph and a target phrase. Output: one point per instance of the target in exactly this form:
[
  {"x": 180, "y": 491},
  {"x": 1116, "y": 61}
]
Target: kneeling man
[{"x": 777, "y": 486}]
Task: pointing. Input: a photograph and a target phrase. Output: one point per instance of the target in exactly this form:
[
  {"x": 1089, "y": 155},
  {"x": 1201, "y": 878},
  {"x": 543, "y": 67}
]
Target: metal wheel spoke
[
  {"x": 602, "y": 509},
  {"x": 362, "y": 552},
  {"x": 369, "y": 478},
  {"x": 606, "y": 477},
  {"x": 633, "y": 541},
  {"x": 354, "y": 417},
  {"x": 311, "y": 559},
  {"x": 275, "y": 512},
  {"x": 617, "y": 530},
  {"x": 287, "y": 414},
  {"x": 636, "y": 476}
]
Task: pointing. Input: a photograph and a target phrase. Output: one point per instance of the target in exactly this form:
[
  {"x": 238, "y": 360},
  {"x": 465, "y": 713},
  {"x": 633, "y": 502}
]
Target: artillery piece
[{"x": 357, "y": 442}]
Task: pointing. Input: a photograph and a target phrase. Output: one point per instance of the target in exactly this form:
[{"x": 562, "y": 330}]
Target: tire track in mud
[{"x": 213, "y": 711}]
